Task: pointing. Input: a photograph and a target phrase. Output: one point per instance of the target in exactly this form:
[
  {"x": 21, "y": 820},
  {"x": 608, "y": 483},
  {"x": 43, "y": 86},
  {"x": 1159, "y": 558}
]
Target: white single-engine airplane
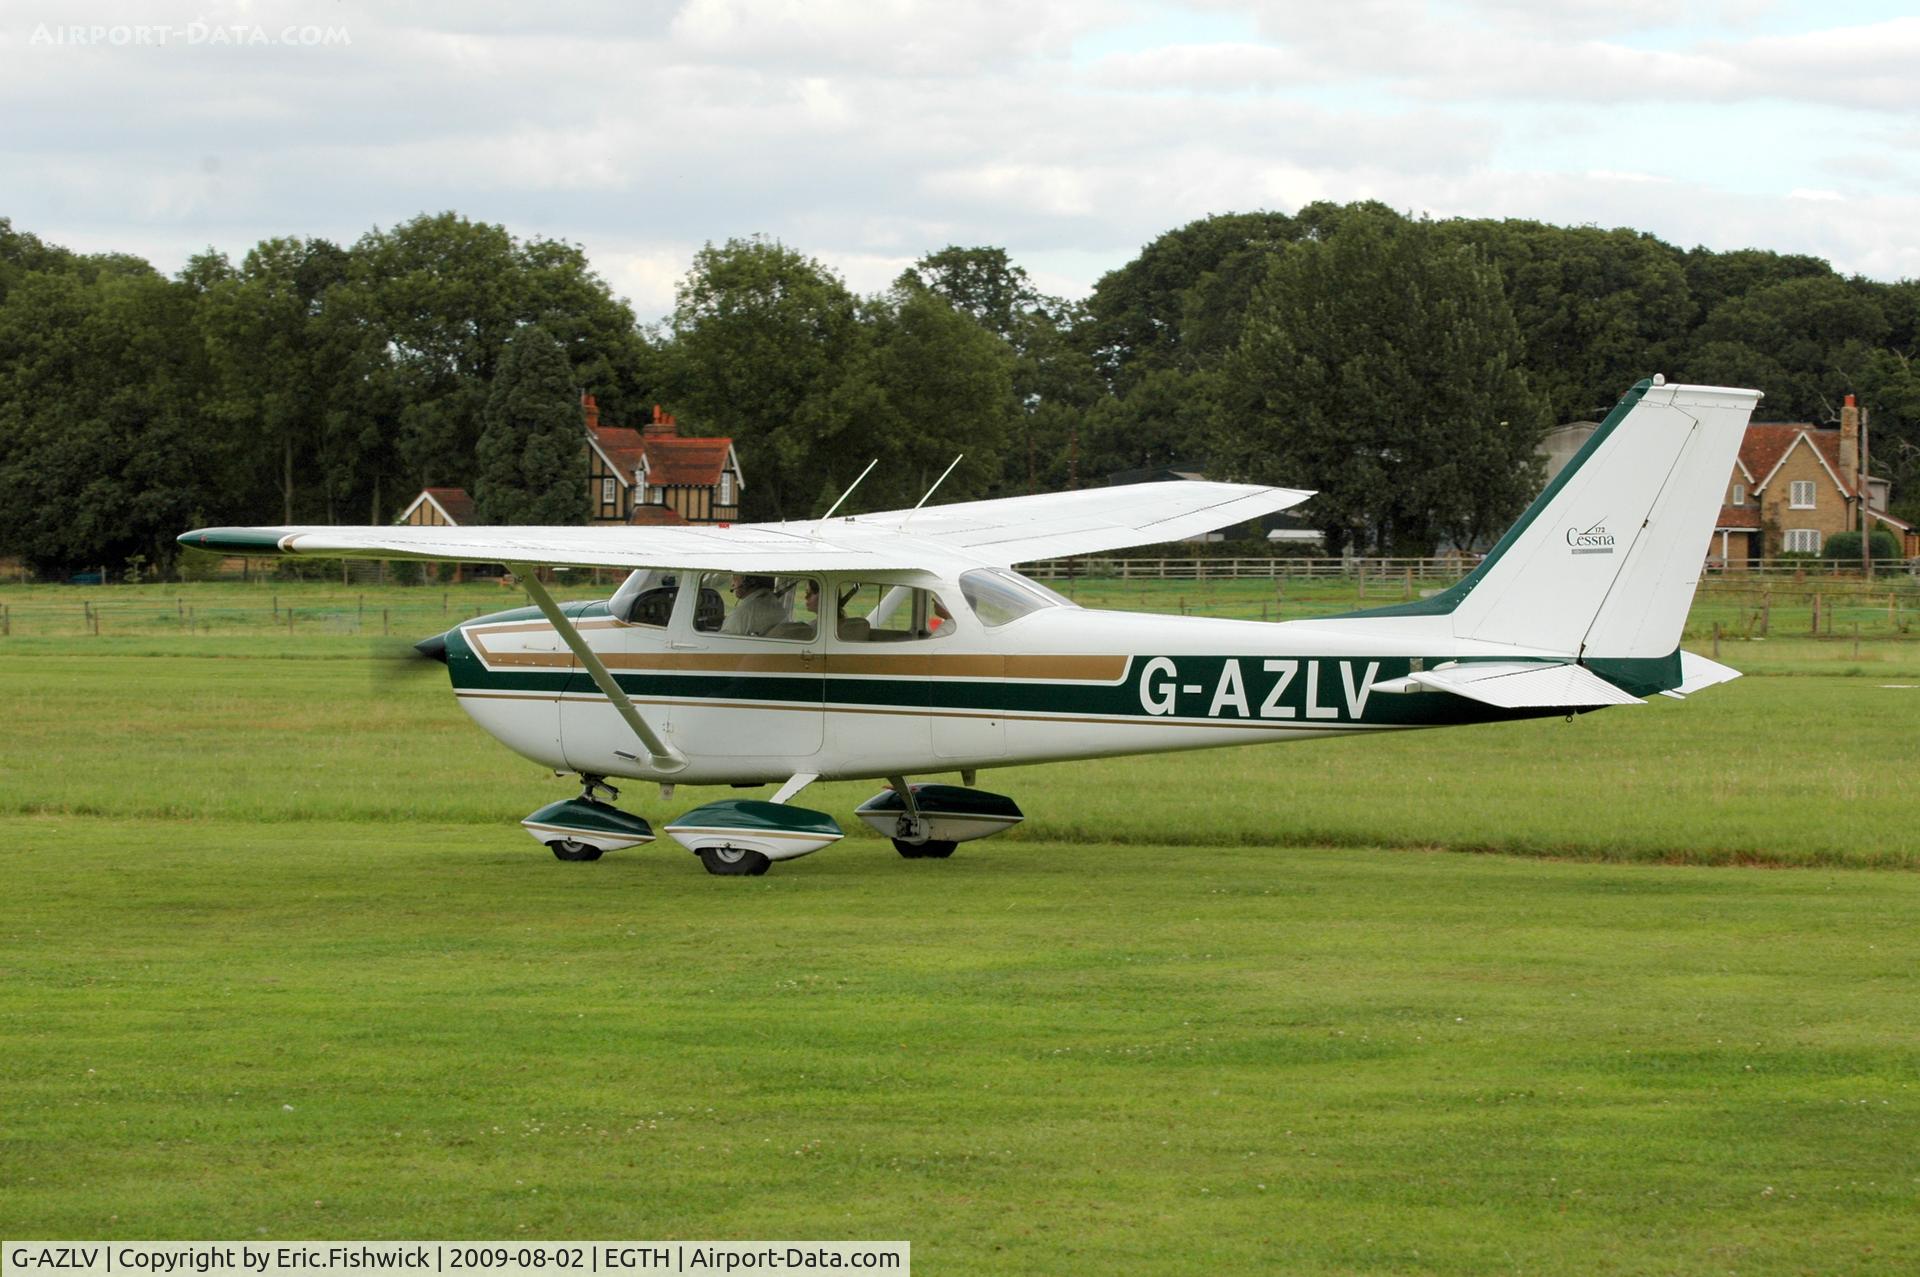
[{"x": 892, "y": 645}]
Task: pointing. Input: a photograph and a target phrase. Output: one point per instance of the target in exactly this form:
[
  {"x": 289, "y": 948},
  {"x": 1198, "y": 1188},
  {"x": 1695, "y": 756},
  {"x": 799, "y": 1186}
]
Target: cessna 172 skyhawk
[{"x": 900, "y": 644}]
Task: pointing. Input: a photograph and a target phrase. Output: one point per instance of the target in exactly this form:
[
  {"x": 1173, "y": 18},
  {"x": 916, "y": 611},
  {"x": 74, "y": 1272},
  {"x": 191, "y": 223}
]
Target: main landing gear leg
[{"x": 910, "y": 831}]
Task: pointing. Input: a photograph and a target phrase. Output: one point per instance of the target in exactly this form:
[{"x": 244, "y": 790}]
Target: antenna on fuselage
[
  {"x": 935, "y": 488},
  {"x": 850, "y": 487}
]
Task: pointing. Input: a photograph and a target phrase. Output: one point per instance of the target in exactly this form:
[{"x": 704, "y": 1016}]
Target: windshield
[{"x": 998, "y": 596}]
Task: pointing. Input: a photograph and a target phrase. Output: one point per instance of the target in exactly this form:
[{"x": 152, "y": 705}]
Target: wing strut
[{"x": 665, "y": 757}]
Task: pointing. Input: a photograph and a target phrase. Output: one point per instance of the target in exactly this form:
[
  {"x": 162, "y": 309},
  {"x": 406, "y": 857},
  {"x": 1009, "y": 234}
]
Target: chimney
[
  {"x": 591, "y": 409},
  {"x": 661, "y": 426},
  {"x": 1850, "y": 444}
]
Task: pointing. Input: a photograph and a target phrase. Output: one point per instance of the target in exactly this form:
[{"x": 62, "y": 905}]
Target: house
[
  {"x": 650, "y": 477},
  {"x": 1793, "y": 487},
  {"x": 654, "y": 477},
  {"x": 439, "y": 508}
]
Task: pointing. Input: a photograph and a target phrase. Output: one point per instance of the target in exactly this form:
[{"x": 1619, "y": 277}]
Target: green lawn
[{"x": 275, "y": 960}]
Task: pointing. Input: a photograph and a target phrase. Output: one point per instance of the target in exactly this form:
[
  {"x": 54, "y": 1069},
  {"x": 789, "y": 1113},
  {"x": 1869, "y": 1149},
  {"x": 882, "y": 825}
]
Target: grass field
[{"x": 274, "y": 960}]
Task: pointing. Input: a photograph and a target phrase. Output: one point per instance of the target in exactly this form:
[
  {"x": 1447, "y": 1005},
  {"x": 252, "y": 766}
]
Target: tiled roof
[
  {"x": 455, "y": 501},
  {"x": 670, "y": 460},
  {"x": 656, "y": 516},
  {"x": 1768, "y": 441},
  {"x": 686, "y": 461},
  {"x": 623, "y": 447},
  {"x": 1736, "y": 517}
]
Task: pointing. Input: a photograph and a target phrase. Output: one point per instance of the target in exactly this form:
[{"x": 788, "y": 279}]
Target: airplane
[{"x": 901, "y": 644}]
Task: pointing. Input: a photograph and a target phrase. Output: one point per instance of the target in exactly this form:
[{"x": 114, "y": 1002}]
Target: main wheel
[
  {"x": 734, "y": 862},
  {"x": 568, "y": 849},
  {"x": 932, "y": 849}
]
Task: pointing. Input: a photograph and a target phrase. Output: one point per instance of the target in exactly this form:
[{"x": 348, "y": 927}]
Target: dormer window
[
  {"x": 1739, "y": 496},
  {"x": 726, "y": 487}
]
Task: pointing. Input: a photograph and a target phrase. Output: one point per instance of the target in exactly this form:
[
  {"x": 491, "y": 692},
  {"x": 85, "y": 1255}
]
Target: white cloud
[{"x": 867, "y": 133}]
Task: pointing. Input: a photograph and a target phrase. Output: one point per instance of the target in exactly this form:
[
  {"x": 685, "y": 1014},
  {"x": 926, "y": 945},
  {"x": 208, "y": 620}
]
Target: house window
[
  {"x": 606, "y": 491},
  {"x": 657, "y": 494},
  {"x": 1800, "y": 495},
  {"x": 1803, "y": 540},
  {"x": 726, "y": 487},
  {"x": 1739, "y": 494}
]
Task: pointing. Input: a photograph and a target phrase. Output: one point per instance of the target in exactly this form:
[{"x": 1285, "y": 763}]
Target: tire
[
  {"x": 568, "y": 849},
  {"x": 931, "y": 849},
  {"x": 734, "y": 862}
]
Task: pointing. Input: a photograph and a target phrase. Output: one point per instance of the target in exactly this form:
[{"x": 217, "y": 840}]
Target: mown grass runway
[{"x": 274, "y": 960}]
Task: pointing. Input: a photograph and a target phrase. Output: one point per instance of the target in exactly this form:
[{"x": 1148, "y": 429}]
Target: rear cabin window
[
  {"x": 998, "y": 596},
  {"x": 874, "y": 612}
]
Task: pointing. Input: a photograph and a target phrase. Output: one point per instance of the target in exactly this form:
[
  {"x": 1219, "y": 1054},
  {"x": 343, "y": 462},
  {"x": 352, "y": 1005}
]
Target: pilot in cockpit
[{"x": 759, "y": 608}]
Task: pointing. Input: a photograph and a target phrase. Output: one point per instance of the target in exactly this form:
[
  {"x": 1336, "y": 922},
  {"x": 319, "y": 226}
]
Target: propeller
[{"x": 396, "y": 660}]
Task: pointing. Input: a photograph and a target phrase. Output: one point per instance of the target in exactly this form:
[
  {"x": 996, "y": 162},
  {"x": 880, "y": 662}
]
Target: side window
[
  {"x": 874, "y": 612},
  {"x": 754, "y": 606}
]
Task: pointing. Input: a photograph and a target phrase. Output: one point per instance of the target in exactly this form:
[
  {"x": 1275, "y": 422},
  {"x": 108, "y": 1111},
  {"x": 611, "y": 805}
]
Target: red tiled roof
[
  {"x": 623, "y": 447},
  {"x": 670, "y": 460},
  {"x": 1768, "y": 441},
  {"x": 1737, "y": 517},
  {"x": 686, "y": 461},
  {"x": 455, "y": 501},
  {"x": 656, "y": 516}
]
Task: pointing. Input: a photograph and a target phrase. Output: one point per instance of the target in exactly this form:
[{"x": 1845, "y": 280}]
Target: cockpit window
[
  {"x": 998, "y": 596},
  {"x": 749, "y": 606},
  {"x": 646, "y": 598}
]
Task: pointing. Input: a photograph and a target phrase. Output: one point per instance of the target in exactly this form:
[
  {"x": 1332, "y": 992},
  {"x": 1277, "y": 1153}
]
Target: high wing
[{"x": 996, "y": 533}]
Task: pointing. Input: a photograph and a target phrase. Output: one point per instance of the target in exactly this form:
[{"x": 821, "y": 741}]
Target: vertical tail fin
[{"x": 1602, "y": 566}]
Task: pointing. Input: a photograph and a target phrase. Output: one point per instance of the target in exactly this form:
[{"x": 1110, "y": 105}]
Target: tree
[
  {"x": 105, "y": 455},
  {"x": 533, "y": 446},
  {"x": 762, "y": 335},
  {"x": 1382, "y": 366},
  {"x": 440, "y": 295},
  {"x": 1053, "y": 381},
  {"x": 278, "y": 349},
  {"x": 1597, "y": 309},
  {"x": 1137, "y": 312},
  {"x": 926, "y": 384}
]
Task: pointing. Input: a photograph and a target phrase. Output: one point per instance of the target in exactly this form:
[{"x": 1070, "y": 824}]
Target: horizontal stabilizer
[
  {"x": 1697, "y": 672},
  {"x": 1516, "y": 686}
]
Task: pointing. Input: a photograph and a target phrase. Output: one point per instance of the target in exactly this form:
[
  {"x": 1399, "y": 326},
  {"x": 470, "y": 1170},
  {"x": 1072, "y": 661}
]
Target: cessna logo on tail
[
  {"x": 1260, "y": 688},
  {"x": 1595, "y": 540}
]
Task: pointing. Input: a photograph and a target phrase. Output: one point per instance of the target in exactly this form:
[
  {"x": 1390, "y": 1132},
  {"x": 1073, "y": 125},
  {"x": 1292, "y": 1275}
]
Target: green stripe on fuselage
[{"x": 1315, "y": 692}]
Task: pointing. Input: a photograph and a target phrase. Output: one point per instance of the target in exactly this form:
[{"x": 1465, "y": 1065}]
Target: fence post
[
  {"x": 6, "y": 621},
  {"x": 1766, "y": 613},
  {"x": 1716, "y": 640},
  {"x": 289, "y": 622},
  {"x": 383, "y": 622},
  {"x": 276, "y": 605},
  {"x": 1816, "y": 616}
]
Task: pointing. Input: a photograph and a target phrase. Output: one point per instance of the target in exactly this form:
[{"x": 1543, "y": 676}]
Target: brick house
[{"x": 1795, "y": 485}]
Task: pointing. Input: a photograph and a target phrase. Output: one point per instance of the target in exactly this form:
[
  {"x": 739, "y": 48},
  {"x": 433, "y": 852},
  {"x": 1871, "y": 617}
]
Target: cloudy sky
[{"x": 868, "y": 132}]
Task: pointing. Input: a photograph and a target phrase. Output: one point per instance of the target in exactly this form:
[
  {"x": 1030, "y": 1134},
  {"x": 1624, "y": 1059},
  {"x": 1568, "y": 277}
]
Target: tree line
[{"x": 1404, "y": 367}]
